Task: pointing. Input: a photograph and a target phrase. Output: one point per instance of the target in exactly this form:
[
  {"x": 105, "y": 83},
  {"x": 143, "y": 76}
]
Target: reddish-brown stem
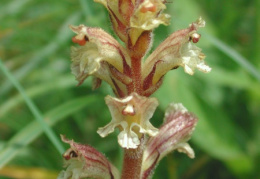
[
  {"x": 136, "y": 74},
  {"x": 132, "y": 163},
  {"x": 133, "y": 158}
]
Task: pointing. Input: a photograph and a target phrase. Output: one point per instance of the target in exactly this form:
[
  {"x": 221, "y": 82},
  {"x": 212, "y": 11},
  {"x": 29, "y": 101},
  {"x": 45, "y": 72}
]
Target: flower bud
[
  {"x": 83, "y": 161},
  {"x": 97, "y": 54},
  {"x": 173, "y": 135},
  {"x": 177, "y": 50}
]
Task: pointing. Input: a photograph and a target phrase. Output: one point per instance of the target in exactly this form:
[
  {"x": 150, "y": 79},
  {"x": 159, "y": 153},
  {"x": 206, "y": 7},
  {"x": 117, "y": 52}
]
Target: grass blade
[{"x": 38, "y": 116}]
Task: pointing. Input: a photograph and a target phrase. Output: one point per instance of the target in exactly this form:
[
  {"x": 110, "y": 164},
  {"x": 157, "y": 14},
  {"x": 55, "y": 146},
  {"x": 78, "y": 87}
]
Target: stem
[
  {"x": 137, "y": 75},
  {"x": 133, "y": 158},
  {"x": 132, "y": 163}
]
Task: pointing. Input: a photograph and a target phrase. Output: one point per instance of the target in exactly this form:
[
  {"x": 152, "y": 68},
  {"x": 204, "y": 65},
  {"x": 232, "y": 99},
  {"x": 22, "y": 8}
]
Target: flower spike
[{"x": 133, "y": 79}]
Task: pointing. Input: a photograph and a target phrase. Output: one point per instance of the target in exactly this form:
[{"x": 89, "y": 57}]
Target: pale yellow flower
[
  {"x": 83, "y": 161},
  {"x": 97, "y": 54},
  {"x": 131, "y": 115},
  {"x": 177, "y": 50},
  {"x": 148, "y": 15}
]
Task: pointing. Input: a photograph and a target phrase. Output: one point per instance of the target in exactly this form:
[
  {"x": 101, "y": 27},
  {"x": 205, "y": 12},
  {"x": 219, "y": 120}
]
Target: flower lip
[
  {"x": 148, "y": 15},
  {"x": 193, "y": 58}
]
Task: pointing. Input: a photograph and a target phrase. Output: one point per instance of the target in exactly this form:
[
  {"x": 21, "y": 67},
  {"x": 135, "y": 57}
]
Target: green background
[{"x": 35, "y": 46}]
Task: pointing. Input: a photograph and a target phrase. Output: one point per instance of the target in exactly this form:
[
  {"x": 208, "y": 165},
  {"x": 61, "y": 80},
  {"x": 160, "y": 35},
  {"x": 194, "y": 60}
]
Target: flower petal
[
  {"x": 192, "y": 58},
  {"x": 177, "y": 50},
  {"x": 83, "y": 161},
  {"x": 148, "y": 15},
  {"x": 174, "y": 133},
  {"x": 131, "y": 114}
]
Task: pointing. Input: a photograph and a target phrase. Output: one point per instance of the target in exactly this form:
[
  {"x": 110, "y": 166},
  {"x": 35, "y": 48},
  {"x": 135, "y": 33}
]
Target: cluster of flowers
[{"x": 133, "y": 80}]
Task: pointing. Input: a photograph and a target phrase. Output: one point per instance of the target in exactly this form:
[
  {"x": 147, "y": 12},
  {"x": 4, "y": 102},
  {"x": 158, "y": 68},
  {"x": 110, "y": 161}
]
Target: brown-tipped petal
[
  {"x": 173, "y": 135},
  {"x": 96, "y": 82},
  {"x": 99, "y": 48},
  {"x": 119, "y": 14},
  {"x": 126, "y": 8},
  {"x": 131, "y": 114},
  {"x": 177, "y": 50},
  {"x": 83, "y": 161}
]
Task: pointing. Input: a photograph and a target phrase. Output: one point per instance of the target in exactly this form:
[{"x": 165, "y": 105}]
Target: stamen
[
  {"x": 195, "y": 37},
  {"x": 129, "y": 110},
  {"x": 80, "y": 39},
  {"x": 70, "y": 154},
  {"x": 149, "y": 7}
]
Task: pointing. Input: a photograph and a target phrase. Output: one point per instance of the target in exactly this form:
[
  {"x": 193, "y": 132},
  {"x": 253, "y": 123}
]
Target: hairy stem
[
  {"x": 137, "y": 75},
  {"x": 132, "y": 163}
]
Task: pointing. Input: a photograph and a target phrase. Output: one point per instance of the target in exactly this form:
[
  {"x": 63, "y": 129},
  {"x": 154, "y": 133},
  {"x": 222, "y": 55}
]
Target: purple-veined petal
[
  {"x": 173, "y": 135},
  {"x": 177, "y": 50}
]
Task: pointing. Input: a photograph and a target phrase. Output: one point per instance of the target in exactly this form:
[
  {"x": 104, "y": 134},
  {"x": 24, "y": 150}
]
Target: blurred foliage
[{"x": 35, "y": 47}]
